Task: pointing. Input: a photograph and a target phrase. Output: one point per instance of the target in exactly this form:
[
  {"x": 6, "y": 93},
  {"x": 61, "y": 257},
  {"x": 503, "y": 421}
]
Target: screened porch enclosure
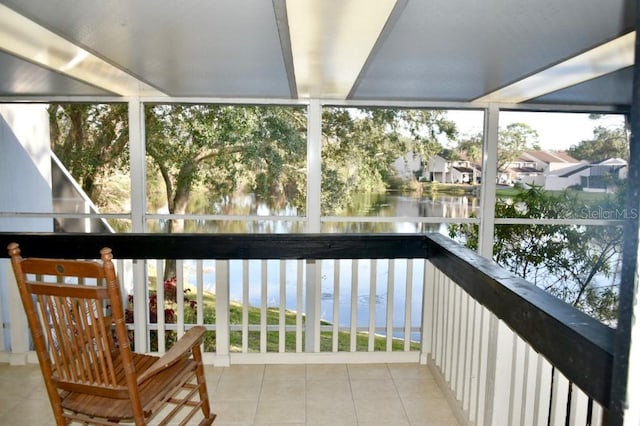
[
  {"x": 473, "y": 318},
  {"x": 501, "y": 351}
]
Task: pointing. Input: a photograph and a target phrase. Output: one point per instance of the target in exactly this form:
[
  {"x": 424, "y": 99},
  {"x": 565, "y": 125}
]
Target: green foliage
[
  {"x": 226, "y": 148},
  {"x": 91, "y": 140},
  {"x": 199, "y": 156},
  {"x": 606, "y": 143},
  {"x": 360, "y": 145},
  {"x": 563, "y": 259},
  {"x": 513, "y": 140}
]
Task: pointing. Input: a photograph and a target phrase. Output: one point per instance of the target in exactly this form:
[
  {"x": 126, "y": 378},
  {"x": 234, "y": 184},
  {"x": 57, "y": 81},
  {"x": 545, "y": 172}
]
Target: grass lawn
[{"x": 272, "y": 337}]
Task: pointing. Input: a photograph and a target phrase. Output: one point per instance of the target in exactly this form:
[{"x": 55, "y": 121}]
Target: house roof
[
  {"x": 575, "y": 170},
  {"x": 549, "y": 156},
  {"x": 523, "y": 170},
  {"x": 464, "y": 169},
  {"x": 384, "y": 51}
]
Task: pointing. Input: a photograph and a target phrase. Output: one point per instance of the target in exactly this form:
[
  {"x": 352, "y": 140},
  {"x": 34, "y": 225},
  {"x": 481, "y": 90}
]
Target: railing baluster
[
  {"x": 160, "y": 298},
  {"x": 408, "y": 303},
  {"x": 439, "y": 318},
  {"x": 559, "y": 400},
  {"x": 465, "y": 341},
  {"x": 455, "y": 337},
  {"x": 483, "y": 356},
  {"x": 529, "y": 394},
  {"x": 199, "y": 292},
  {"x": 448, "y": 331},
  {"x": 428, "y": 312},
  {"x": 518, "y": 371},
  {"x": 390, "y": 294},
  {"x": 282, "y": 307},
  {"x": 299, "y": 306},
  {"x": 222, "y": 358},
  {"x": 474, "y": 361},
  {"x": 354, "y": 304},
  {"x": 336, "y": 305},
  {"x": 373, "y": 278},
  {"x": 245, "y": 306},
  {"x": 179, "y": 296},
  {"x": 596, "y": 414},
  {"x": 263, "y": 306},
  {"x": 542, "y": 391},
  {"x": 579, "y": 407}
]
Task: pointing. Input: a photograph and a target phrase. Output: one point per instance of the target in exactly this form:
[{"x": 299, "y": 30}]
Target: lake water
[{"x": 384, "y": 205}]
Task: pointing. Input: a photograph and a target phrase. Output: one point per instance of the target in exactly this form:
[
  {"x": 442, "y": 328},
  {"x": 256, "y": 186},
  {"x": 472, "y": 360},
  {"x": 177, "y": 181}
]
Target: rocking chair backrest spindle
[{"x": 74, "y": 309}]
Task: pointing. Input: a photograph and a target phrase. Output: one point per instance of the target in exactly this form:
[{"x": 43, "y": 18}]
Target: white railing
[
  {"x": 496, "y": 344},
  {"x": 285, "y": 310},
  {"x": 495, "y": 376}
]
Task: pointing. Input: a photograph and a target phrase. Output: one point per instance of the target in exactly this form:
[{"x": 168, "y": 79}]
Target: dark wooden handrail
[{"x": 578, "y": 345}]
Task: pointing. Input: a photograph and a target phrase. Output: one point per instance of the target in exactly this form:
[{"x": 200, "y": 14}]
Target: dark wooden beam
[
  {"x": 629, "y": 272},
  {"x": 578, "y": 345},
  {"x": 219, "y": 246}
]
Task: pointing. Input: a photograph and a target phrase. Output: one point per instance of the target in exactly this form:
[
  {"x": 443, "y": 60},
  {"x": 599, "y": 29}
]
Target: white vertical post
[
  {"x": 312, "y": 325},
  {"x": 222, "y": 313},
  {"x": 179, "y": 297},
  {"x": 299, "y": 286},
  {"x": 314, "y": 176},
  {"x": 489, "y": 175},
  {"x": 282, "y": 321},
  {"x": 499, "y": 358},
  {"x": 314, "y": 164},
  {"x": 428, "y": 295},
  {"x": 354, "y": 305},
  {"x": 263, "y": 306},
  {"x": 138, "y": 208},
  {"x": 408, "y": 302},
  {"x": 160, "y": 300},
  {"x": 200, "y": 291},
  {"x": 140, "y": 304},
  {"x": 336, "y": 305},
  {"x": 373, "y": 277},
  {"x": 17, "y": 321},
  {"x": 245, "y": 305},
  {"x": 390, "y": 293},
  {"x": 137, "y": 164},
  {"x": 558, "y": 412}
]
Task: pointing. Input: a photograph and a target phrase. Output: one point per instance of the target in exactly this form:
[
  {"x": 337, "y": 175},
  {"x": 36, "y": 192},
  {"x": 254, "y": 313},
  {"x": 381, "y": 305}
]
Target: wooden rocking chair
[{"x": 73, "y": 309}]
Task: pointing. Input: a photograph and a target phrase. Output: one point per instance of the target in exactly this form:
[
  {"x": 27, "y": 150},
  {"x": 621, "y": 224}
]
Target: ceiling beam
[
  {"x": 604, "y": 59},
  {"x": 30, "y": 41}
]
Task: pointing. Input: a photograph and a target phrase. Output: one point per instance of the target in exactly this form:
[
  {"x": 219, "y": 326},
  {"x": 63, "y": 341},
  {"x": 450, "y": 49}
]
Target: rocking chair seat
[
  {"x": 75, "y": 314},
  {"x": 152, "y": 392}
]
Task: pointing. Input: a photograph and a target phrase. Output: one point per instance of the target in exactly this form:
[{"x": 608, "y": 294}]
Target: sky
[{"x": 557, "y": 131}]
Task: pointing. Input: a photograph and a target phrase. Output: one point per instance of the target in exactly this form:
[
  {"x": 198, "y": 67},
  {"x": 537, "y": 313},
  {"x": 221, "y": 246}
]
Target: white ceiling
[{"x": 417, "y": 50}]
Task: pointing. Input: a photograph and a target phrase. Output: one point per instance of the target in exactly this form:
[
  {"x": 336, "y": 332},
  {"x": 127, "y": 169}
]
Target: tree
[
  {"x": 360, "y": 146},
  {"x": 565, "y": 260},
  {"x": 606, "y": 143},
  {"x": 226, "y": 148},
  {"x": 91, "y": 141},
  {"x": 513, "y": 140}
]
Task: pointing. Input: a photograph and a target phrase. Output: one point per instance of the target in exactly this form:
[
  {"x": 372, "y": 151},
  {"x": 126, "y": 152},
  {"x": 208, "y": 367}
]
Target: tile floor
[{"x": 322, "y": 394}]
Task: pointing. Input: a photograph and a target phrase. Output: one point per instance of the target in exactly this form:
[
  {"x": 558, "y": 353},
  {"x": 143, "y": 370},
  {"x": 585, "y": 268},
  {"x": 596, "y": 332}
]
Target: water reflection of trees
[{"x": 363, "y": 205}]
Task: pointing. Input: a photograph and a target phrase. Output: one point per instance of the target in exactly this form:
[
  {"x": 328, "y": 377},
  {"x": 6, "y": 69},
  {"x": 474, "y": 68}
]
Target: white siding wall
[{"x": 25, "y": 162}]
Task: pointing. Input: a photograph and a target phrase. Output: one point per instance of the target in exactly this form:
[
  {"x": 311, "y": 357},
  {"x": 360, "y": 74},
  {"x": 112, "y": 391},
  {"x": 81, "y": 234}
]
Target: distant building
[
  {"x": 557, "y": 170},
  {"x": 552, "y": 170},
  {"x": 439, "y": 169}
]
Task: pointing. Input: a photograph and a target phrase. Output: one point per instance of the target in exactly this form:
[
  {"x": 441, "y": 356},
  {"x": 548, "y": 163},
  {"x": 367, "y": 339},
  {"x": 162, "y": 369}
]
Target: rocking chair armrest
[{"x": 179, "y": 350}]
